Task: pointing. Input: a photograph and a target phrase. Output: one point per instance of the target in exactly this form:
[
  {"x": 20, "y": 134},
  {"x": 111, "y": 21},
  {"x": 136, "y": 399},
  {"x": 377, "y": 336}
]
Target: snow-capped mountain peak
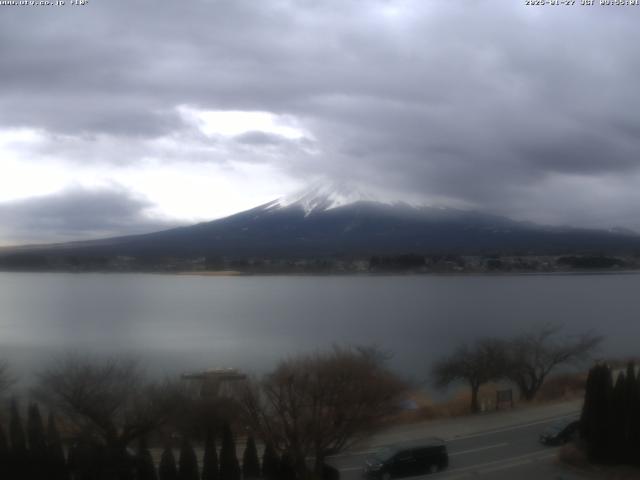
[{"x": 323, "y": 197}]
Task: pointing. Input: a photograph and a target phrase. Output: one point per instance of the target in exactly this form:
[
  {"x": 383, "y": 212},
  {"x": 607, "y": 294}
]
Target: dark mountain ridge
[{"x": 321, "y": 228}]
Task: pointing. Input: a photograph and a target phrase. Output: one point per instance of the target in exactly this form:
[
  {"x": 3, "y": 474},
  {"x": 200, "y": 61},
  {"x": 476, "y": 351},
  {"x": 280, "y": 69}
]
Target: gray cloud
[
  {"x": 490, "y": 103},
  {"x": 260, "y": 138},
  {"x": 75, "y": 214}
]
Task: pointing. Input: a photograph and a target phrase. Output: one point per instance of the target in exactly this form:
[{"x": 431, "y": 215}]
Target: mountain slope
[{"x": 321, "y": 224}]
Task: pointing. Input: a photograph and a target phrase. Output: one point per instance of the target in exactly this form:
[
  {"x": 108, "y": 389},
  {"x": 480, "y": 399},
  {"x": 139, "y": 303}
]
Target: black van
[{"x": 407, "y": 459}]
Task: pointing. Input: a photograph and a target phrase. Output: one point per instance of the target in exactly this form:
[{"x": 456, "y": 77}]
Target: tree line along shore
[{"x": 490, "y": 262}]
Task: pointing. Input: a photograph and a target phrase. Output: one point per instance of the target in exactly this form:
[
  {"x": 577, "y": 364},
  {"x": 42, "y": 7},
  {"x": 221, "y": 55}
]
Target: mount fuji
[{"x": 329, "y": 222}]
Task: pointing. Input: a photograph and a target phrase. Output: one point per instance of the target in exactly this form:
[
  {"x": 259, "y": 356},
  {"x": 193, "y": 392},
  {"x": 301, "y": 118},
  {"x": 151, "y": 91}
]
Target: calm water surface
[{"x": 177, "y": 323}]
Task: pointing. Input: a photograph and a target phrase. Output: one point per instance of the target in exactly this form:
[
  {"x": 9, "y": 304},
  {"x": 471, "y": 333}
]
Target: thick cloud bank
[
  {"x": 524, "y": 111},
  {"x": 76, "y": 213}
]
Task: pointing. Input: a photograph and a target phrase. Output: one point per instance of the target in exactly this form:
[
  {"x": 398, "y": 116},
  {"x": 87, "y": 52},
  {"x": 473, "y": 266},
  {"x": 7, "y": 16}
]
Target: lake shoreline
[{"x": 238, "y": 273}]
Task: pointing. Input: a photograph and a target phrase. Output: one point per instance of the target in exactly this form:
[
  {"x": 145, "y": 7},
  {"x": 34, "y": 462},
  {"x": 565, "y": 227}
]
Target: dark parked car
[
  {"x": 407, "y": 459},
  {"x": 560, "y": 432},
  {"x": 329, "y": 472}
]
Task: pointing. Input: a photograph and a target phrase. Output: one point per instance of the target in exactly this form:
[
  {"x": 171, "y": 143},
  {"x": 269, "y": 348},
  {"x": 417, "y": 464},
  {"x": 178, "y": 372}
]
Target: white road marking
[
  {"x": 505, "y": 466},
  {"x": 514, "y": 464},
  {"x": 497, "y": 464},
  {"x": 508, "y": 429},
  {"x": 464, "y": 437},
  {"x": 349, "y": 469},
  {"x": 355, "y": 454},
  {"x": 479, "y": 449},
  {"x": 519, "y": 459},
  {"x": 369, "y": 452}
]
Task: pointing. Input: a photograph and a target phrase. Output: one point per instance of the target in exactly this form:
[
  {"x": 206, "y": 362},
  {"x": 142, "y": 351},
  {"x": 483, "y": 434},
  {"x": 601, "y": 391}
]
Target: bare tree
[
  {"x": 196, "y": 416},
  {"x": 315, "y": 405},
  {"x": 534, "y": 355},
  {"x": 108, "y": 400},
  {"x": 477, "y": 364}
]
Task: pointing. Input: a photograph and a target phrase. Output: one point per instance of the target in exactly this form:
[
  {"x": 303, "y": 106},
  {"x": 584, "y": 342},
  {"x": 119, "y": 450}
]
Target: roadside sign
[{"x": 504, "y": 399}]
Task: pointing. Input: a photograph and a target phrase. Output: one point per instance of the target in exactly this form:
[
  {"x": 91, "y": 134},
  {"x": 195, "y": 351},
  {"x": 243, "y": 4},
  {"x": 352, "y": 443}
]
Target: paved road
[{"x": 504, "y": 453}]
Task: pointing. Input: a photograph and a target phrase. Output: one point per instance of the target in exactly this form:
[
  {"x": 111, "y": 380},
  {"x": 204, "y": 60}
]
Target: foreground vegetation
[
  {"x": 610, "y": 421},
  {"x": 609, "y": 442},
  {"x": 107, "y": 413},
  {"x": 102, "y": 415}
]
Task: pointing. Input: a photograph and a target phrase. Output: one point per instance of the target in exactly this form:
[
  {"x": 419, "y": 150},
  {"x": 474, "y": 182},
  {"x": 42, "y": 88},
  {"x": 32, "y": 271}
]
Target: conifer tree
[
  {"x": 55, "y": 452},
  {"x": 631, "y": 399},
  {"x": 617, "y": 425},
  {"x": 36, "y": 437},
  {"x": 146, "y": 470},
  {"x": 167, "y": 469},
  {"x": 587, "y": 406},
  {"x": 72, "y": 460},
  {"x": 287, "y": 469},
  {"x": 250, "y": 462},
  {"x": 635, "y": 424},
  {"x": 5, "y": 455},
  {"x": 604, "y": 417},
  {"x": 210, "y": 469},
  {"x": 19, "y": 462},
  {"x": 188, "y": 463},
  {"x": 118, "y": 463},
  {"x": 84, "y": 459},
  {"x": 596, "y": 414},
  {"x": 229, "y": 466},
  {"x": 270, "y": 463},
  {"x": 16, "y": 433}
]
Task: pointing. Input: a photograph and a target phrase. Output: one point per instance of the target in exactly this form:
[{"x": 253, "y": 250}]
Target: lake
[{"x": 177, "y": 323}]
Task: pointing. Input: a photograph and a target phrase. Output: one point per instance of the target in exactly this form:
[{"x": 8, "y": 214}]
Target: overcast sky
[{"x": 126, "y": 116}]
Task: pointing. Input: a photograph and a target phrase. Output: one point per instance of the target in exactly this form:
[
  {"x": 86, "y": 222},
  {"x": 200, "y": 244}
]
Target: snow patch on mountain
[{"x": 322, "y": 197}]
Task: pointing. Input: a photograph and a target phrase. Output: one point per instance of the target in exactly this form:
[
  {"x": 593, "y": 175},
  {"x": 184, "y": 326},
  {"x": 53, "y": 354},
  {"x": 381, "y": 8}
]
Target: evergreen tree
[
  {"x": 72, "y": 460},
  {"x": 617, "y": 425},
  {"x": 635, "y": 424},
  {"x": 229, "y": 466},
  {"x": 167, "y": 469},
  {"x": 38, "y": 454},
  {"x": 210, "y": 459},
  {"x": 270, "y": 463},
  {"x": 5, "y": 455},
  {"x": 16, "y": 433},
  {"x": 287, "y": 469},
  {"x": 596, "y": 414},
  {"x": 188, "y": 462},
  {"x": 586, "y": 415},
  {"x": 85, "y": 459},
  {"x": 250, "y": 462},
  {"x": 118, "y": 463},
  {"x": 19, "y": 462},
  {"x": 145, "y": 468},
  {"x": 55, "y": 452},
  {"x": 631, "y": 400},
  {"x": 604, "y": 415}
]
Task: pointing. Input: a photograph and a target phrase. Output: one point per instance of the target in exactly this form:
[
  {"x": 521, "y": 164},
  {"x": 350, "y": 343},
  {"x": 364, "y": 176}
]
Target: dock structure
[{"x": 209, "y": 383}]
